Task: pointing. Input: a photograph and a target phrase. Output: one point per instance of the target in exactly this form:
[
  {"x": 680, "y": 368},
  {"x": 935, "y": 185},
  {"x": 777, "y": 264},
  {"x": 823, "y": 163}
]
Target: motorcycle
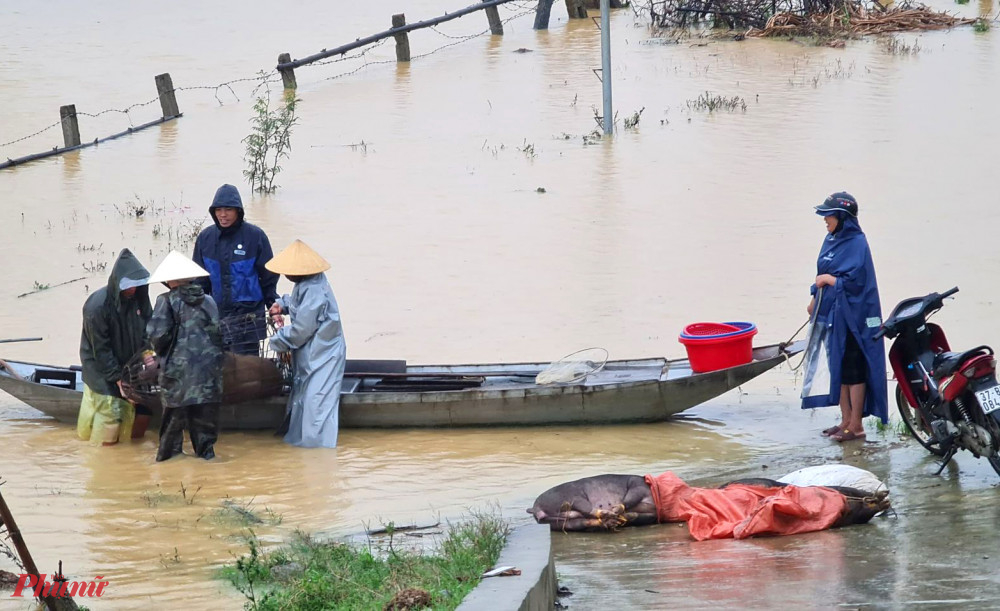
[{"x": 949, "y": 401}]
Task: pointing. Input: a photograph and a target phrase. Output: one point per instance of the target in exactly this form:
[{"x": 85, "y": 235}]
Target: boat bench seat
[
  {"x": 354, "y": 366},
  {"x": 427, "y": 384},
  {"x": 60, "y": 378}
]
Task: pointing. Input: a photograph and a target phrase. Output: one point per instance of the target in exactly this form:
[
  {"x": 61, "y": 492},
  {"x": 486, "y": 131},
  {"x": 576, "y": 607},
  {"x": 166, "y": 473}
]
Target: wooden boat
[{"x": 393, "y": 394}]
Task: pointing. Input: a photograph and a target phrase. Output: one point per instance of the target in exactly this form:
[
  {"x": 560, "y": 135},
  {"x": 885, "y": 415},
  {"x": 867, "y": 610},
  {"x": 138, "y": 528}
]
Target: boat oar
[{"x": 20, "y": 339}]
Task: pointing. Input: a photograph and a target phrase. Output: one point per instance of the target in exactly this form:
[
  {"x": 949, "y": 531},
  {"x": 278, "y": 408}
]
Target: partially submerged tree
[{"x": 270, "y": 139}]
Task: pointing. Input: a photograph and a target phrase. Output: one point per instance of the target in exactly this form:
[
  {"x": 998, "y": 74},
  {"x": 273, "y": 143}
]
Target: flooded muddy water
[{"x": 423, "y": 186}]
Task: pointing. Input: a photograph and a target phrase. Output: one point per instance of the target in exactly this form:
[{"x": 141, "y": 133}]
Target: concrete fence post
[
  {"x": 70, "y": 126},
  {"x": 168, "y": 101},
  {"x": 287, "y": 74},
  {"x": 402, "y": 39},
  {"x": 542, "y": 11},
  {"x": 493, "y": 16},
  {"x": 576, "y": 9}
]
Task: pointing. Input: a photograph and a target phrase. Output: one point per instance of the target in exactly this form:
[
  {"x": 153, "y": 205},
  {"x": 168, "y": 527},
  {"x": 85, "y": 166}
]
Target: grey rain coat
[{"x": 319, "y": 355}]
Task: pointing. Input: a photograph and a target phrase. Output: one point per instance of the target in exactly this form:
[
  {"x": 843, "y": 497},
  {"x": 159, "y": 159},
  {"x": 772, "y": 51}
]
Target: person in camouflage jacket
[{"x": 184, "y": 332}]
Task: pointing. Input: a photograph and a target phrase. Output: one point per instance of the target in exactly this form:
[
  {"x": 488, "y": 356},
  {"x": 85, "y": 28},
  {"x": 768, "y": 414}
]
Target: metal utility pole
[{"x": 609, "y": 117}]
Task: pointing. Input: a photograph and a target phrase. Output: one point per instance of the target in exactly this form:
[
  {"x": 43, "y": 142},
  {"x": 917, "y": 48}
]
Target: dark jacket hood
[
  {"x": 127, "y": 273},
  {"x": 192, "y": 294},
  {"x": 227, "y": 196}
]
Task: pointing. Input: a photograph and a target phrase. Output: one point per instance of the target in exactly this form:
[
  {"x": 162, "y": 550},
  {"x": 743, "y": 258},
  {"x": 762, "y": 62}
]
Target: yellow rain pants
[{"x": 99, "y": 411}]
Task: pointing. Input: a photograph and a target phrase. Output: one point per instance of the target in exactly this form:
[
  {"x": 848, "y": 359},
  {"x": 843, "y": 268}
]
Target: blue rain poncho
[
  {"x": 319, "y": 356},
  {"x": 850, "y": 306}
]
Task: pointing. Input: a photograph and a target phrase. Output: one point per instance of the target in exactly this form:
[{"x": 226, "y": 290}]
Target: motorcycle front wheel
[
  {"x": 994, "y": 462},
  {"x": 994, "y": 430},
  {"x": 920, "y": 429}
]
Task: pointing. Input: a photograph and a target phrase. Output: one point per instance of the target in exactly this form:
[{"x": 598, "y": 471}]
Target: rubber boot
[
  {"x": 203, "y": 424},
  {"x": 109, "y": 436},
  {"x": 172, "y": 433},
  {"x": 140, "y": 426}
]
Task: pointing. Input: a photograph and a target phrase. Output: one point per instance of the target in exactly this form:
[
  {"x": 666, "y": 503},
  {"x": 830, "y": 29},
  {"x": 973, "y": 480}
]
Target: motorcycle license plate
[{"x": 989, "y": 399}]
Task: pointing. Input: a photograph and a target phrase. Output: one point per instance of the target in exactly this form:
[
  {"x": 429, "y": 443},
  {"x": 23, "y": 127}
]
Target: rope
[{"x": 812, "y": 318}]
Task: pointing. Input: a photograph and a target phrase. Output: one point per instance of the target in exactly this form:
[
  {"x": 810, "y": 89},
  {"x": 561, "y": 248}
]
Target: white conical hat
[
  {"x": 297, "y": 260},
  {"x": 176, "y": 267}
]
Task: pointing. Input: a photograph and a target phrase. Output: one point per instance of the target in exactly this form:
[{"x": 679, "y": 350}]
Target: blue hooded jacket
[
  {"x": 851, "y": 306},
  {"x": 234, "y": 257}
]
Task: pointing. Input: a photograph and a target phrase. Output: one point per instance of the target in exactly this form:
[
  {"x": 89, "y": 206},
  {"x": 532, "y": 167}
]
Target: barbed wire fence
[{"x": 514, "y": 9}]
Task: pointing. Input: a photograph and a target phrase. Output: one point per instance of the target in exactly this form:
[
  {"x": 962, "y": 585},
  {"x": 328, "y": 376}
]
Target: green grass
[
  {"x": 896, "y": 426},
  {"x": 311, "y": 575}
]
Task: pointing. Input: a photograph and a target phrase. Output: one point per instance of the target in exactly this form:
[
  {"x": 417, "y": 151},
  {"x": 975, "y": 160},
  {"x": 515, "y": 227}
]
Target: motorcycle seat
[{"x": 947, "y": 363}]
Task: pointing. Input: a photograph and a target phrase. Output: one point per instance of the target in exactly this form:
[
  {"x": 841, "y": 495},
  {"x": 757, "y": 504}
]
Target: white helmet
[{"x": 177, "y": 267}]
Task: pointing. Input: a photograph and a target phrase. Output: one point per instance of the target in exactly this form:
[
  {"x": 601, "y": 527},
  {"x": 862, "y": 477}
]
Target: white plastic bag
[{"x": 836, "y": 475}]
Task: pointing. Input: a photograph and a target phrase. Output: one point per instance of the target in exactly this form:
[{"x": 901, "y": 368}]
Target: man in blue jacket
[{"x": 234, "y": 253}]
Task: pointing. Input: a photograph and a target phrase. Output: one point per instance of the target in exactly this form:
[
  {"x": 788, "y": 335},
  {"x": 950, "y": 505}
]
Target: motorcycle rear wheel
[{"x": 920, "y": 429}]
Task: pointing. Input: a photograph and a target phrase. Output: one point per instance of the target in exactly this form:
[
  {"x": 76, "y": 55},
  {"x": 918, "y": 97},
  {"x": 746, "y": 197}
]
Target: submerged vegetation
[
  {"x": 270, "y": 140},
  {"x": 632, "y": 121},
  {"x": 309, "y": 574},
  {"x": 712, "y": 103},
  {"x": 894, "y": 46}
]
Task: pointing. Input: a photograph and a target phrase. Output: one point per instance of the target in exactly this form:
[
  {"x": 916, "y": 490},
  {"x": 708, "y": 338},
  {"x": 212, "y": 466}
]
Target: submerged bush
[
  {"x": 269, "y": 141},
  {"x": 711, "y": 103}
]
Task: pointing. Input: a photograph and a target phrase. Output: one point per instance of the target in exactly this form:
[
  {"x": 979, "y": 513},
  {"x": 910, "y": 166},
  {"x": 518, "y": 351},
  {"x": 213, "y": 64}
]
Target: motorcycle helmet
[{"x": 841, "y": 201}]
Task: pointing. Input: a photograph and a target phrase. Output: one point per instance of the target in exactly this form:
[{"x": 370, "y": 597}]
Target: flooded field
[{"x": 421, "y": 185}]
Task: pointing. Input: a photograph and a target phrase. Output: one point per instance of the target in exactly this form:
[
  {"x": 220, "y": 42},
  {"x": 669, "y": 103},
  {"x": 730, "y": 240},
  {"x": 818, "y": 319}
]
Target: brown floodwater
[{"x": 420, "y": 184}]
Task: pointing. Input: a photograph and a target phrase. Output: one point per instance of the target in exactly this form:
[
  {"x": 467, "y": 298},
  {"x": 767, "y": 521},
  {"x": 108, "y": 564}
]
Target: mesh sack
[{"x": 574, "y": 367}]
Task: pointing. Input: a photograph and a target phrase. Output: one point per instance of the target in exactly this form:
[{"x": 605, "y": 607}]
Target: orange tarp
[{"x": 740, "y": 511}]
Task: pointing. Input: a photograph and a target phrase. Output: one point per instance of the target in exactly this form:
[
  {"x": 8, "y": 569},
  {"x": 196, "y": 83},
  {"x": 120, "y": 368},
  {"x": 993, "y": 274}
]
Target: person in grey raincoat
[
  {"x": 184, "y": 332},
  {"x": 316, "y": 341},
  {"x": 114, "y": 323}
]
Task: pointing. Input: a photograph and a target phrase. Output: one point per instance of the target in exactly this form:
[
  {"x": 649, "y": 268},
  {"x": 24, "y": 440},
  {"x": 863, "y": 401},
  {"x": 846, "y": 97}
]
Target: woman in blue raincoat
[
  {"x": 845, "y": 363},
  {"x": 316, "y": 342}
]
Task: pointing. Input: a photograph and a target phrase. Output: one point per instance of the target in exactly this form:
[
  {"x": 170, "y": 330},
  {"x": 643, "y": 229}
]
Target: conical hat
[
  {"x": 297, "y": 260},
  {"x": 176, "y": 267}
]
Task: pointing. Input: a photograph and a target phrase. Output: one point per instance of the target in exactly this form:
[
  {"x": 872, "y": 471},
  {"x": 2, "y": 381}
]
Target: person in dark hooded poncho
[
  {"x": 234, "y": 253},
  {"x": 845, "y": 363},
  {"x": 114, "y": 323}
]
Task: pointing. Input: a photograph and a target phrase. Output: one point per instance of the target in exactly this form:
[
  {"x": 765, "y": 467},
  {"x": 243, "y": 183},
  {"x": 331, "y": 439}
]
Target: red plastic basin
[{"x": 720, "y": 351}]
